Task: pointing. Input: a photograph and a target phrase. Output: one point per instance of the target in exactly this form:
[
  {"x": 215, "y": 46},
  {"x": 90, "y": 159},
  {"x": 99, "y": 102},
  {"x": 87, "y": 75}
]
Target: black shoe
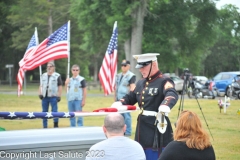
[{"x": 55, "y": 125}]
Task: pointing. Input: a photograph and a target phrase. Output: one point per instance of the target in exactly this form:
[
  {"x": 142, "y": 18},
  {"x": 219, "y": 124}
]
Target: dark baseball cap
[{"x": 125, "y": 62}]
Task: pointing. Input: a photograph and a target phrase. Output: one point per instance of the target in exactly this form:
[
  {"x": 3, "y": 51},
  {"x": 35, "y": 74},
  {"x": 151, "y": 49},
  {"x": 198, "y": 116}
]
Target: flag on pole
[
  {"x": 52, "y": 48},
  {"x": 32, "y": 44},
  {"x": 108, "y": 70}
]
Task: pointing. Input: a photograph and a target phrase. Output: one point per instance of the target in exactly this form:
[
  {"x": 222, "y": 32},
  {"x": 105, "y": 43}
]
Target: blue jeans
[
  {"x": 45, "y": 106},
  {"x": 128, "y": 122},
  {"x": 75, "y": 106}
]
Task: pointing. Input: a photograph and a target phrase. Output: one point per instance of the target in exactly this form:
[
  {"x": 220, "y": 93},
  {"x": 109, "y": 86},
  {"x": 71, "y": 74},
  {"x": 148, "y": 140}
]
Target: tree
[
  {"x": 7, "y": 54},
  {"x": 26, "y": 15},
  {"x": 181, "y": 32},
  {"x": 225, "y": 53}
]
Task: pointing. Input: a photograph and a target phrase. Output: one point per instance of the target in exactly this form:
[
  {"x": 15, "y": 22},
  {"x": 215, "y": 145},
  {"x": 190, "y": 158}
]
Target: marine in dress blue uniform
[{"x": 155, "y": 94}]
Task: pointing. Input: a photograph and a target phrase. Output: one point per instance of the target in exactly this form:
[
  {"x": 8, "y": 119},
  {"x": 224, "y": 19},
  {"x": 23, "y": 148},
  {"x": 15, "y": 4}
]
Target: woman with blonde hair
[{"x": 191, "y": 141}]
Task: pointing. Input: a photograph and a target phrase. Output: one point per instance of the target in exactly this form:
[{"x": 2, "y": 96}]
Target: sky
[{"x": 221, "y": 3}]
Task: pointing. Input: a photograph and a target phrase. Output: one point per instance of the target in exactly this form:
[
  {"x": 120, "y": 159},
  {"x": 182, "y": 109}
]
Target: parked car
[
  {"x": 223, "y": 80},
  {"x": 201, "y": 79},
  {"x": 178, "y": 83}
]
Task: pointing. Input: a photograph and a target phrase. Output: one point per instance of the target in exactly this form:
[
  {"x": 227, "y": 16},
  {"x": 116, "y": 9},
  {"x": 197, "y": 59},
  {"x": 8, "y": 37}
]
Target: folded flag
[
  {"x": 117, "y": 109},
  {"x": 106, "y": 110}
]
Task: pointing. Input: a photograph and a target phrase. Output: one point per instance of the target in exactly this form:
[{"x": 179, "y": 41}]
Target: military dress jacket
[{"x": 150, "y": 93}]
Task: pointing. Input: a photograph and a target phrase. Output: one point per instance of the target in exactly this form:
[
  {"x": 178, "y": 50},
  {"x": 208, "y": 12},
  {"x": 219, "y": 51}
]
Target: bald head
[{"x": 114, "y": 123}]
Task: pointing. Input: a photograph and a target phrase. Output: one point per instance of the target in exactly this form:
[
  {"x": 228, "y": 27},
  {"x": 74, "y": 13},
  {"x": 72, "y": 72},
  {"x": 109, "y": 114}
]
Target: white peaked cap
[{"x": 145, "y": 59}]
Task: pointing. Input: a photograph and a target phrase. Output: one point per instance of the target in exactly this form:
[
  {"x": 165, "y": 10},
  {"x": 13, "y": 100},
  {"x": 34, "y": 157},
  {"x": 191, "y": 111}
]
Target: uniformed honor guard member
[
  {"x": 50, "y": 91},
  {"x": 156, "y": 96},
  {"x": 76, "y": 94}
]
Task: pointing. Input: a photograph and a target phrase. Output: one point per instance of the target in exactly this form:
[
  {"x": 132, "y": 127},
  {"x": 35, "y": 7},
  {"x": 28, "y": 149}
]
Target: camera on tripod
[{"x": 186, "y": 74}]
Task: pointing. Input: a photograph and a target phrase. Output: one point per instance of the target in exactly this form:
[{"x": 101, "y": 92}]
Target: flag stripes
[
  {"x": 43, "y": 55},
  {"x": 20, "y": 76},
  {"x": 52, "y": 48},
  {"x": 108, "y": 70}
]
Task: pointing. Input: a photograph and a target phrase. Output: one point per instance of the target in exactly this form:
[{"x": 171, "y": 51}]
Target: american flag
[
  {"x": 20, "y": 76},
  {"x": 34, "y": 115},
  {"x": 53, "y": 47},
  {"x": 108, "y": 69},
  {"x": 49, "y": 115}
]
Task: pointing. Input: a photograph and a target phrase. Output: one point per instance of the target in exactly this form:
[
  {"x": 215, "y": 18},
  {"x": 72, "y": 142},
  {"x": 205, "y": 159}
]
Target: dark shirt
[
  {"x": 131, "y": 81},
  {"x": 59, "y": 80},
  {"x": 176, "y": 150},
  {"x": 83, "y": 83}
]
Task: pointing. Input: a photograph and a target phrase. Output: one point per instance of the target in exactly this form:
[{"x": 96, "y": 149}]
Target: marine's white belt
[{"x": 151, "y": 113}]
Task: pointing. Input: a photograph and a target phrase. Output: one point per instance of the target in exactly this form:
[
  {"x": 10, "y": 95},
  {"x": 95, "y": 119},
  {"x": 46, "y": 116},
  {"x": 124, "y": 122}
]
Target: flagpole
[
  {"x": 68, "y": 39},
  {"x": 24, "y": 81},
  {"x": 115, "y": 25},
  {"x": 40, "y": 67}
]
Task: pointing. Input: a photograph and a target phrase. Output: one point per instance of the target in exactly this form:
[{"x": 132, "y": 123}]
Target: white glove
[
  {"x": 116, "y": 104},
  {"x": 164, "y": 109}
]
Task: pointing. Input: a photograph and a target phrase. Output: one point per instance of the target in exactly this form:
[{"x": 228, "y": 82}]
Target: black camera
[
  {"x": 186, "y": 74},
  {"x": 186, "y": 70}
]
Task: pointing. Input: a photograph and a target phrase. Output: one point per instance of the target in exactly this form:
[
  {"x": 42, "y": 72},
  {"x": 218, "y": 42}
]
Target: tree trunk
[
  {"x": 50, "y": 21},
  {"x": 136, "y": 36},
  {"x": 96, "y": 69},
  {"x": 127, "y": 49}
]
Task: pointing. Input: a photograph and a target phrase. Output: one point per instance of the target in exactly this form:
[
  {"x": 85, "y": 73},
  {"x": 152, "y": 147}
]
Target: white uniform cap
[{"x": 145, "y": 59}]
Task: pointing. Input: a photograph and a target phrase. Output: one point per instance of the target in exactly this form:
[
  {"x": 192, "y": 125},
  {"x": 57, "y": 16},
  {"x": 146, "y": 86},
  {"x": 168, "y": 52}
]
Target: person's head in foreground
[
  {"x": 147, "y": 64},
  {"x": 189, "y": 129},
  {"x": 114, "y": 125}
]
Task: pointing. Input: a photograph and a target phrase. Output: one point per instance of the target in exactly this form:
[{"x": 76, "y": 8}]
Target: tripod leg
[
  {"x": 182, "y": 98},
  {"x": 204, "y": 116}
]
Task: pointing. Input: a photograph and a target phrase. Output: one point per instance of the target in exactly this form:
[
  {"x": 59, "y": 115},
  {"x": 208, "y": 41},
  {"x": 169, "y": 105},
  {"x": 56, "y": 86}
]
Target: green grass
[{"x": 225, "y": 128}]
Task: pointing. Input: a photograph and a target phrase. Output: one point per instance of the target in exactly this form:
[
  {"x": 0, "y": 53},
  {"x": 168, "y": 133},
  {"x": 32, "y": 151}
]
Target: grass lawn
[{"x": 225, "y": 128}]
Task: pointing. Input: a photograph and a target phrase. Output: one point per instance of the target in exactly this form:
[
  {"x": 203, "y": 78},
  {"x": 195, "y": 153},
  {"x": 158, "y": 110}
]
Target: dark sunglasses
[{"x": 74, "y": 69}]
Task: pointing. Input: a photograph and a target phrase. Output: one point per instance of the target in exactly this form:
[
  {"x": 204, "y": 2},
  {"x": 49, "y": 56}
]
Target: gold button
[
  {"x": 142, "y": 103},
  {"x": 147, "y": 83},
  {"x": 149, "y": 78},
  {"x": 143, "y": 92},
  {"x": 142, "y": 97},
  {"x": 146, "y": 88}
]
